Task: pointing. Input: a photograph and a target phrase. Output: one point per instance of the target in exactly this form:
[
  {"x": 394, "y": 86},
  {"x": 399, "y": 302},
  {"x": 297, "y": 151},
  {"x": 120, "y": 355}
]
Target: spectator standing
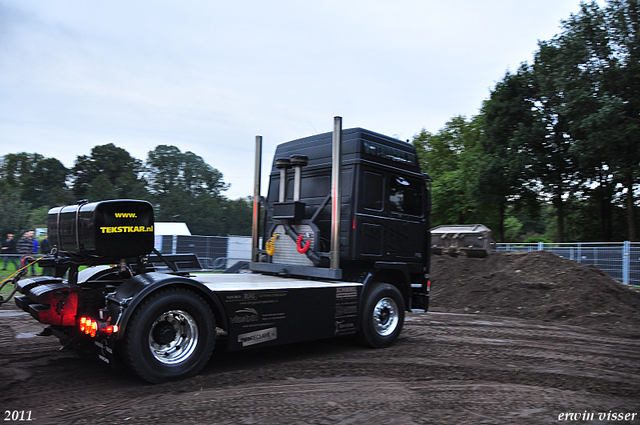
[
  {"x": 25, "y": 245},
  {"x": 36, "y": 244},
  {"x": 34, "y": 251},
  {"x": 44, "y": 246},
  {"x": 46, "y": 249},
  {"x": 9, "y": 251},
  {"x": 25, "y": 248}
]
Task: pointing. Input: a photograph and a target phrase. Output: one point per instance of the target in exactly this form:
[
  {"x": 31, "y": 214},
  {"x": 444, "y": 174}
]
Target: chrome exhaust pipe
[
  {"x": 255, "y": 237},
  {"x": 336, "y": 192}
]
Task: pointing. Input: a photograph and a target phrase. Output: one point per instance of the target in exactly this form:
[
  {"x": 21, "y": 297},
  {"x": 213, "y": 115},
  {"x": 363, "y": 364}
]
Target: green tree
[
  {"x": 38, "y": 217},
  {"x": 451, "y": 159},
  {"x": 584, "y": 57},
  {"x": 200, "y": 178},
  {"x": 163, "y": 168},
  {"x": 185, "y": 188},
  {"x": 168, "y": 168},
  {"x": 239, "y": 212},
  {"x": 562, "y": 131},
  {"x": 47, "y": 184},
  {"x": 589, "y": 79},
  {"x": 15, "y": 211},
  {"x": 16, "y": 168},
  {"x": 506, "y": 175},
  {"x": 37, "y": 180},
  {"x": 116, "y": 165},
  {"x": 528, "y": 137},
  {"x": 513, "y": 228},
  {"x": 101, "y": 189},
  {"x": 548, "y": 144},
  {"x": 624, "y": 79}
]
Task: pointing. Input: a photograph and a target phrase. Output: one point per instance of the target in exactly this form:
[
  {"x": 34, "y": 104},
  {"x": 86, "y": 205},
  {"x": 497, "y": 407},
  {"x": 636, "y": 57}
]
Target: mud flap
[
  {"x": 420, "y": 301},
  {"x": 105, "y": 348}
]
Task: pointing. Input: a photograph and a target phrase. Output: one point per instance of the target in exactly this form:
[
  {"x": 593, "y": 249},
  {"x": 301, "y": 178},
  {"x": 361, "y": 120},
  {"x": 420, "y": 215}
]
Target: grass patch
[
  {"x": 11, "y": 269},
  {"x": 4, "y": 274}
]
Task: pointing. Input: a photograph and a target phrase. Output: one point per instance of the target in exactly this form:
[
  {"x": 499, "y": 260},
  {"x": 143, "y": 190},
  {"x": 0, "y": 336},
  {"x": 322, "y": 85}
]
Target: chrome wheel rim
[
  {"x": 173, "y": 337},
  {"x": 385, "y": 316}
]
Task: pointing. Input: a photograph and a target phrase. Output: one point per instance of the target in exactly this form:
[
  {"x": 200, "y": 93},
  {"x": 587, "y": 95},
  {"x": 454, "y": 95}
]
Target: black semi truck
[{"x": 345, "y": 251}]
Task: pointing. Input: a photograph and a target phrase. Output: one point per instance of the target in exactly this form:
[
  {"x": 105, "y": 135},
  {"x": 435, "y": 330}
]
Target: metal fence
[
  {"x": 212, "y": 251},
  {"x": 620, "y": 260}
]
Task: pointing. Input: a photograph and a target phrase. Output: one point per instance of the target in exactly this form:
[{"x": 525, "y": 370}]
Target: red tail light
[
  {"x": 92, "y": 327},
  {"x": 83, "y": 324}
]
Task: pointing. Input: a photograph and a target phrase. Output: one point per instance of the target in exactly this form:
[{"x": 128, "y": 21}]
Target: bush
[{"x": 537, "y": 239}]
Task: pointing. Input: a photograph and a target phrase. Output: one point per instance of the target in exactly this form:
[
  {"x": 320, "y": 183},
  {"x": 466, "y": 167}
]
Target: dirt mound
[{"x": 539, "y": 284}]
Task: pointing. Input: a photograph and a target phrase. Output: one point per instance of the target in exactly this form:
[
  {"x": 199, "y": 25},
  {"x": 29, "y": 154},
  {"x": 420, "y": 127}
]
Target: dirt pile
[{"x": 539, "y": 284}]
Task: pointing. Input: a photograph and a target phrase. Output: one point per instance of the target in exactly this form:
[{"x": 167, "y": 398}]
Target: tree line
[
  {"x": 554, "y": 153},
  {"x": 181, "y": 186}
]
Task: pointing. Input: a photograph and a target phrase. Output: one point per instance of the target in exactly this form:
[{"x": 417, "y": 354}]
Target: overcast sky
[{"x": 208, "y": 76}]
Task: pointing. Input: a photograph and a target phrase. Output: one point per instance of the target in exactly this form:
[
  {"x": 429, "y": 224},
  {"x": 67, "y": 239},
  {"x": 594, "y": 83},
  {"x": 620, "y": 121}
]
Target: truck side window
[
  {"x": 405, "y": 196},
  {"x": 373, "y": 191}
]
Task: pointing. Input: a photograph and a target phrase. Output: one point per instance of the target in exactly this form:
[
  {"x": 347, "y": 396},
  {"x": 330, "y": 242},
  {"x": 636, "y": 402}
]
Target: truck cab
[{"x": 384, "y": 212}]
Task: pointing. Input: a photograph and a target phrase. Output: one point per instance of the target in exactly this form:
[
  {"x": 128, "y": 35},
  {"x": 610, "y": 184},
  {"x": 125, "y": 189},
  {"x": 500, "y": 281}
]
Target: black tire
[
  {"x": 170, "y": 336},
  {"x": 382, "y": 316}
]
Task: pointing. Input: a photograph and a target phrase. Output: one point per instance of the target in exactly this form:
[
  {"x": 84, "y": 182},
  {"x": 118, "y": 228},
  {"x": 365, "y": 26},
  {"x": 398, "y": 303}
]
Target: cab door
[
  {"x": 390, "y": 221},
  {"x": 405, "y": 228}
]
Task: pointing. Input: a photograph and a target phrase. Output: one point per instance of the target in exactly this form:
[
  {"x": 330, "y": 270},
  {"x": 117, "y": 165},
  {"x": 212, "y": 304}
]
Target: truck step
[
  {"x": 36, "y": 293},
  {"x": 53, "y": 303},
  {"x": 23, "y": 302},
  {"x": 35, "y": 310},
  {"x": 25, "y": 285}
]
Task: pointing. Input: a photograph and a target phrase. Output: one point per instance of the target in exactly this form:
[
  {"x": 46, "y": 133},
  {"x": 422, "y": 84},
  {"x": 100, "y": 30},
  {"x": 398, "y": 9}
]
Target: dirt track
[{"x": 445, "y": 369}]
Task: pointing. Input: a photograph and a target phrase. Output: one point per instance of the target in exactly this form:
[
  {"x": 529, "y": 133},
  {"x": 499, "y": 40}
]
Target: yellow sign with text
[
  {"x": 126, "y": 229},
  {"x": 125, "y": 215}
]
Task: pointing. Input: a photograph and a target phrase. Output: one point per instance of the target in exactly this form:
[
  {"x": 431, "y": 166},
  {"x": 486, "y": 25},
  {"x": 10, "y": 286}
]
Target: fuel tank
[{"x": 109, "y": 229}]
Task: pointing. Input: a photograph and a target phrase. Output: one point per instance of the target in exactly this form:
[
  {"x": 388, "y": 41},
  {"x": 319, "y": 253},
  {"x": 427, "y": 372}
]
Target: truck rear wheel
[
  {"x": 382, "y": 316},
  {"x": 170, "y": 336}
]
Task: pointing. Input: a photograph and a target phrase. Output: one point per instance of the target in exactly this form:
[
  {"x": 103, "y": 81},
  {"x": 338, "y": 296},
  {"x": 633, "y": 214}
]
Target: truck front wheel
[
  {"x": 170, "y": 336},
  {"x": 382, "y": 316}
]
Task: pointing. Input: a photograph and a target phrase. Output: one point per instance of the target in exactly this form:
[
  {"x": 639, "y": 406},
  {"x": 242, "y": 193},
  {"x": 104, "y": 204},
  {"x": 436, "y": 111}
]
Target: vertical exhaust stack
[
  {"x": 255, "y": 238},
  {"x": 297, "y": 162},
  {"x": 283, "y": 164},
  {"x": 336, "y": 195}
]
